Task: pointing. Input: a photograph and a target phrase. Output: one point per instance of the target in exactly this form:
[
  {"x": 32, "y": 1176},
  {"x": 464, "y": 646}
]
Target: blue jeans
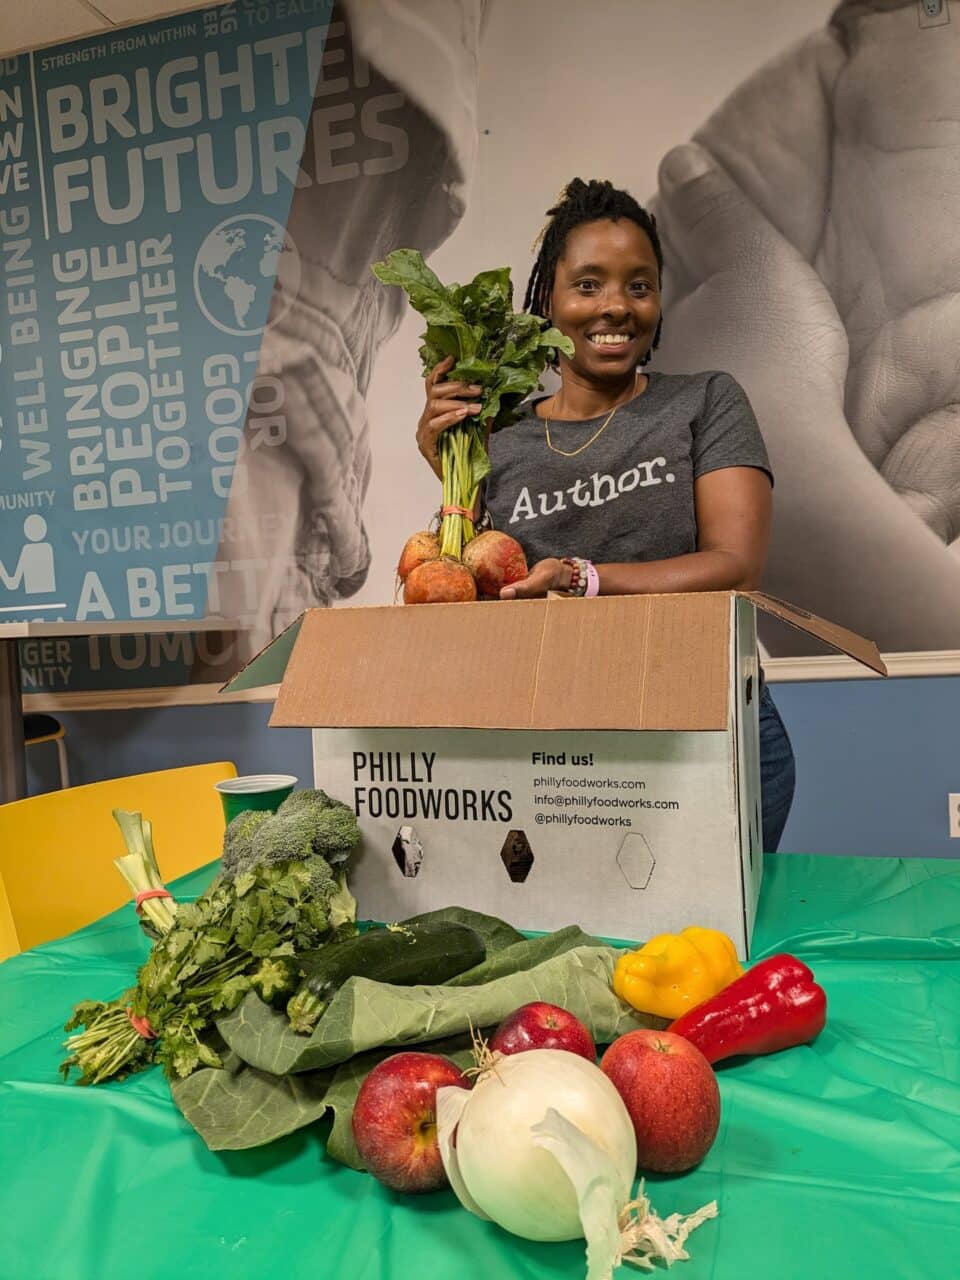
[{"x": 777, "y": 772}]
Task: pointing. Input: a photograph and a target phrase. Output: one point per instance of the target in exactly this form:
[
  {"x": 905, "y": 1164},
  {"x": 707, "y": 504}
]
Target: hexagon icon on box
[
  {"x": 635, "y": 860},
  {"x": 517, "y": 856},
  {"x": 408, "y": 851}
]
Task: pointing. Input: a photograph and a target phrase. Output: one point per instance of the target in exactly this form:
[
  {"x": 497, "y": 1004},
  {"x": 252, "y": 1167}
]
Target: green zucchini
[{"x": 406, "y": 956}]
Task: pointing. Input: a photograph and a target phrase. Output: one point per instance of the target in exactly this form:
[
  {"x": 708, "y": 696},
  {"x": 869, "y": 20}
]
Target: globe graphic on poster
[{"x": 235, "y": 271}]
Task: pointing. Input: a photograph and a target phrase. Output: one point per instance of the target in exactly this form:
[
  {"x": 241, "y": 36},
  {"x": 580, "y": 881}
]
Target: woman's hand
[
  {"x": 444, "y": 409},
  {"x": 546, "y": 575}
]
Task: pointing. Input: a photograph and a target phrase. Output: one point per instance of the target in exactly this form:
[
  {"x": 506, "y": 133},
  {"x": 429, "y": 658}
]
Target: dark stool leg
[{"x": 13, "y": 769}]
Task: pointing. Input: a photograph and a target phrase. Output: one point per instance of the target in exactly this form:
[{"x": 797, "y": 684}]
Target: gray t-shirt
[{"x": 629, "y": 495}]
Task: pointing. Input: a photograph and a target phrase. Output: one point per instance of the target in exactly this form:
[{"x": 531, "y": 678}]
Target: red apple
[
  {"x": 671, "y": 1093},
  {"x": 395, "y": 1120},
  {"x": 543, "y": 1026}
]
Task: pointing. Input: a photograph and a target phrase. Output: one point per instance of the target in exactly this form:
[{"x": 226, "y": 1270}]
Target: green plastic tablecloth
[{"x": 836, "y": 1160}]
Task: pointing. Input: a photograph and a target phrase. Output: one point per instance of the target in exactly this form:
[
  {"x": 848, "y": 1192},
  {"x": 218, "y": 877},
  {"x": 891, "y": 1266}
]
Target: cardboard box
[{"x": 551, "y": 761}]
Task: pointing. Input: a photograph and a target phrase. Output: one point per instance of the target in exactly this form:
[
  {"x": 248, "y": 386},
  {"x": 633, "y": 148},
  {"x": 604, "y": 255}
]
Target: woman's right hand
[{"x": 444, "y": 408}]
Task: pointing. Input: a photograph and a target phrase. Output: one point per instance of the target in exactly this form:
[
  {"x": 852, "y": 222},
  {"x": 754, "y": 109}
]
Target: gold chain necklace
[{"x": 596, "y": 435}]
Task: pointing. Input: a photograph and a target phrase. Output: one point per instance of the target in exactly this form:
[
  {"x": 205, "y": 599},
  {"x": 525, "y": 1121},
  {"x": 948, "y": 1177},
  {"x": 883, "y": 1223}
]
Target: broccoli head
[
  {"x": 237, "y": 854},
  {"x": 295, "y": 836},
  {"x": 306, "y": 798},
  {"x": 314, "y": 826},
  {"x": 286, "y": 839},
  {"x": 336, "y": 834}
]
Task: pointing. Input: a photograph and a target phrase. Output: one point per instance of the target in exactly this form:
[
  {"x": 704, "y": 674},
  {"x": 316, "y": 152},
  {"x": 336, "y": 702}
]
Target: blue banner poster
[
  {"x": 145, "y": 185},
  {"x": 188, "y": 320}
]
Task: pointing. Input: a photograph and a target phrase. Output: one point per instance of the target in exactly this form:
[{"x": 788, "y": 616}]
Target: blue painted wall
[
  {"x": 875, "y": 759},
  {"x": 110, "y": 744}
]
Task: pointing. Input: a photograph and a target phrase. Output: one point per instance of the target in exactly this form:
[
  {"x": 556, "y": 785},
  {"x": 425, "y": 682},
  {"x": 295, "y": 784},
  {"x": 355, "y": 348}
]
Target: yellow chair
[
  {"x": 9, "y": 943},
  {"x": 57, "y": 849}
]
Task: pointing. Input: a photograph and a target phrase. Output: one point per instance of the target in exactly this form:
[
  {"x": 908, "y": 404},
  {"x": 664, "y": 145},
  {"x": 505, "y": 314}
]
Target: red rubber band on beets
[
  {"x": 141, "y": 1026},
  {"x": 456, "y": 511},
  {"x": 150, "y": 893}
]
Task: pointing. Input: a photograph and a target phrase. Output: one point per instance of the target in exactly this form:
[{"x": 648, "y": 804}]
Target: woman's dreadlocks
[{"x": 584, "y": 202}]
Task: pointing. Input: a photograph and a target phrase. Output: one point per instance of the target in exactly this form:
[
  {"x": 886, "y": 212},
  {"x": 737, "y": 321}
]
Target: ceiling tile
[
  {"x": 27, "y": 26},
  {"x": 50, "y": 22},
  {"x": 143, "y": 10}
]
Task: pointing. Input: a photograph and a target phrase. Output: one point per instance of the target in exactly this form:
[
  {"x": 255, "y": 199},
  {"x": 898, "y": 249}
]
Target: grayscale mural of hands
[
  {"x": 387, "y": 157},
  {"x": 812, "y": 250}
]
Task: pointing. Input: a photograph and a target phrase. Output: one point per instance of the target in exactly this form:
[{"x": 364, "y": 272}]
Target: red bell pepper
[{"x": 775, "y": 1005}]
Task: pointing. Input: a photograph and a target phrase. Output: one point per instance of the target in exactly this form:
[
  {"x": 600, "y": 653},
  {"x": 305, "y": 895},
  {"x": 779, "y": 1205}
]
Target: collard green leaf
[
  {"x": 274, "y": 1081},
  {"x": 364, "y": 1015},
  {"x": 522, "y": 955},
  {"x": 239, "y": 1108}
]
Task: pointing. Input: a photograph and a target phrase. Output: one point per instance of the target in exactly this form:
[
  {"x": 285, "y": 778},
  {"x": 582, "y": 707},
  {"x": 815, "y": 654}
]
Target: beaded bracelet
[
  {"x": 578, "y": 576},
  {"x": 584, "y": 579}
]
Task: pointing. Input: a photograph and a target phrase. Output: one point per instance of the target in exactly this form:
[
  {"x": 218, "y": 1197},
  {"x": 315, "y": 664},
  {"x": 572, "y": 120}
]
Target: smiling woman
[{"x": 625, "y": 481}]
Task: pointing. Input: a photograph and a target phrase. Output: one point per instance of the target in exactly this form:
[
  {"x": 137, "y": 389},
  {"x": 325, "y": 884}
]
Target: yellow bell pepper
[{"x": 674, "y": 972}]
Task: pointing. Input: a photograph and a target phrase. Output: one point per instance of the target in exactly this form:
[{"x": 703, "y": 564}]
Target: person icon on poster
[
  {"x": 34, "y": 572},
  {"x": 625, "y": 481}
]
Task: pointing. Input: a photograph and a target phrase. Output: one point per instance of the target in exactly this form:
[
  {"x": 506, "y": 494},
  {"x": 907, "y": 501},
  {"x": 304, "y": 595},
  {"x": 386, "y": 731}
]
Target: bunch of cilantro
[
  {"x": 281, "y": 891},
  {"x": 502, "y": 350}
]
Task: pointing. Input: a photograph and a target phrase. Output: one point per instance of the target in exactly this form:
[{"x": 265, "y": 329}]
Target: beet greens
[{"x": 502, "y": 350}]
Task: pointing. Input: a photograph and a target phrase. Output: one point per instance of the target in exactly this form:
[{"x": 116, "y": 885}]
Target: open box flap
[
  {"x": 269, "y": 665},
  {"x": 837, "y": 637},
  {"x": 616, "y": 662}
]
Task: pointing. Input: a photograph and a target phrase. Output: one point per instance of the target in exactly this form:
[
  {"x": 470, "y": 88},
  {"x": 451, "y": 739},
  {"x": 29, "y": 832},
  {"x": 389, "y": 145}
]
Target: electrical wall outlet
[
  {"x": 933, "y": 13},
  {"x": 953, "y": 808}
]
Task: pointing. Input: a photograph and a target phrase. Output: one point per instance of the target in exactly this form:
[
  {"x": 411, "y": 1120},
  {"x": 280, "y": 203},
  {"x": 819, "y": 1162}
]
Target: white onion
[
  {"x": 544, "y": 1146},
  {"x": 504, "y": 1168}
]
